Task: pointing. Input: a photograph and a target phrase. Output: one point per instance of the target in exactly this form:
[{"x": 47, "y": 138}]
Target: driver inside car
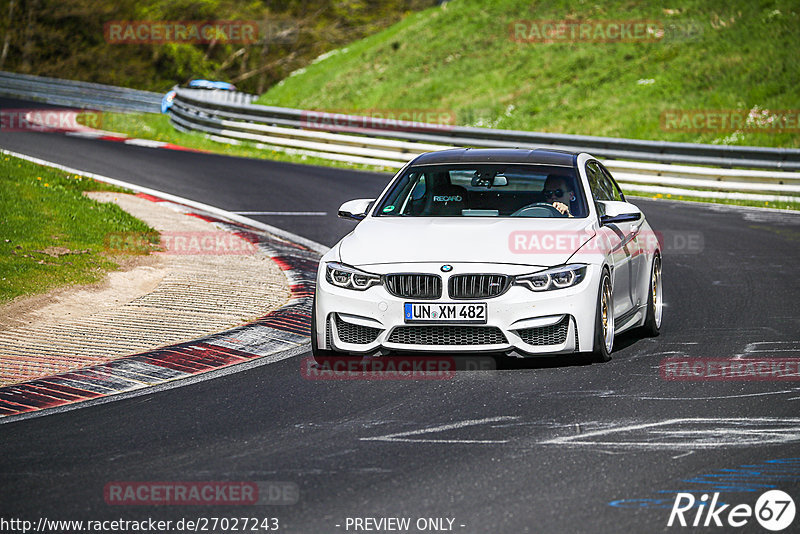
[{"x": 559, "y": 194}]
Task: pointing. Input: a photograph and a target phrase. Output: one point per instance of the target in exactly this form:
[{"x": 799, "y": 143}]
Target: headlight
[
  {"x": 555, "y": 278},
  {"x": 342, "y": 275}
]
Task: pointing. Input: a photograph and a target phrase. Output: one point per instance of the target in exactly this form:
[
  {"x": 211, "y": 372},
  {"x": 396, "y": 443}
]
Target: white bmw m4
[{"x": 523, "y": 252}]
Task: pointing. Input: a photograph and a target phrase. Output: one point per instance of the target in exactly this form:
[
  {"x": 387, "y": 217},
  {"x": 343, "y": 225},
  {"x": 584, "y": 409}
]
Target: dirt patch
[{"x": 137, "y": 276}]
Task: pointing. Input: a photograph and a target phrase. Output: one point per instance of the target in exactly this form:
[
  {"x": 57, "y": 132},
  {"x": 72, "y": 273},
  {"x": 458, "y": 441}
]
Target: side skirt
[{"x": 629, "y": 319}]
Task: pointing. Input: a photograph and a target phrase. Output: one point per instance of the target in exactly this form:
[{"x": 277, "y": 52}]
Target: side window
[
  {"x": 414, "y": 202},
  {"x": 611, "y": 185},
  {"x": 419, "y": 190},
  {"x": 596, "y": 182}
]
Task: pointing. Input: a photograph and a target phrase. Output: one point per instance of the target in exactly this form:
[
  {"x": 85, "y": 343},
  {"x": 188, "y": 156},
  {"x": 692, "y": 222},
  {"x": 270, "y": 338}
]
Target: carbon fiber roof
[{"x": 498, "y": 155}]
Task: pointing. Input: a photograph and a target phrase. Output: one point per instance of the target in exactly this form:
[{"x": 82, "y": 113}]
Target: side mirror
[
  {"x": 355, "y": 209},
  {"x": 618, "y": 212}
]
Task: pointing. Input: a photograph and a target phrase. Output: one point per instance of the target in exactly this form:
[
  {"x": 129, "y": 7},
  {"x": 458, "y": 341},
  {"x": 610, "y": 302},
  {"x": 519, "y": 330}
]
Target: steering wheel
[{"x": 538, "y": 209}]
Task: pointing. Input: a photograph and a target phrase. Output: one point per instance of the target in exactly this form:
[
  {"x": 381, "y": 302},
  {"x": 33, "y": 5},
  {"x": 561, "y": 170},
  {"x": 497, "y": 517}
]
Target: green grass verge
[
  {"x": 731, "y": 202},
  {"x": 51, "y": 235},
  {"x": 460, "y": 58}
]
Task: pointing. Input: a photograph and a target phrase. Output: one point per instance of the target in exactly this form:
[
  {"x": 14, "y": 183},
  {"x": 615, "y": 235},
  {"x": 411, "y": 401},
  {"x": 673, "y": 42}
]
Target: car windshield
[{"x": 490, "y": 190}]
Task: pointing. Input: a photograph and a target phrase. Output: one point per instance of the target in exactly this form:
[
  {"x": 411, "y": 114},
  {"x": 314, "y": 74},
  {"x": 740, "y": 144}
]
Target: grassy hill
[{"x": 460, "y": 58}]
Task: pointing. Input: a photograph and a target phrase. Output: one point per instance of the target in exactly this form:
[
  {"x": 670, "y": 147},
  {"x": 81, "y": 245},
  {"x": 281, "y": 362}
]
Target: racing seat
[
  {"x": 448, "y": 201},
  {"x": 440, "y": 198}
]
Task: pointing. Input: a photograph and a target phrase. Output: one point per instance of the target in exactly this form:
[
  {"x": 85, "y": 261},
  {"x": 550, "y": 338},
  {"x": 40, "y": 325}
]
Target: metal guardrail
[
  {"x": 220, "y": 96},
  {"x": 300, "y": 132},
  {"x": 101, "y": 97},
  {"x": 606, "y": 147},
  {"x": 78, "y": 94}
]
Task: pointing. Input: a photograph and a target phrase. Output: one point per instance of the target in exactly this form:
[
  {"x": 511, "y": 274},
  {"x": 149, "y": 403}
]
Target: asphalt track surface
[{"x": 538, "y": 446}]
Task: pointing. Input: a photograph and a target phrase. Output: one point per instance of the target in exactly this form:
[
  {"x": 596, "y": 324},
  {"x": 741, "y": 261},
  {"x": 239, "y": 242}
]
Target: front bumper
[{"x": 529, "y": 323}]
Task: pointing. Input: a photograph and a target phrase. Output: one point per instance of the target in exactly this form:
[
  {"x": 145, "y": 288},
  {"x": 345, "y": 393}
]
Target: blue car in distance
[{"x": 166, "y": 102}]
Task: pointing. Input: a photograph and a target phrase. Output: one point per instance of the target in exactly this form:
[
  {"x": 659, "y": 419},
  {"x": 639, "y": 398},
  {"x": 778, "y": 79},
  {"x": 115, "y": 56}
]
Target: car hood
[{"x": 541, "y": 242}]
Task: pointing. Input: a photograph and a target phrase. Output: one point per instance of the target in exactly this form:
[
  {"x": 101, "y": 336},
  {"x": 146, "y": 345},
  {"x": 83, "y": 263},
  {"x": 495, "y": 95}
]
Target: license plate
[{"x": 445, "y": 313}]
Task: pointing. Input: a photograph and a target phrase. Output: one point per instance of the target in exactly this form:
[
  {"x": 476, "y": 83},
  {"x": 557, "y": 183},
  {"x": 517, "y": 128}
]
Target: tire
[
  {"x": 318, "y": 353},
  {"x": 655, "y": 301},
  {"x": 604, "y": 321}
]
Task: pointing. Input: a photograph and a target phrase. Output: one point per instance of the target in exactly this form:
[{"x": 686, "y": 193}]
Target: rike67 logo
[{"x": 774, "y": 510}]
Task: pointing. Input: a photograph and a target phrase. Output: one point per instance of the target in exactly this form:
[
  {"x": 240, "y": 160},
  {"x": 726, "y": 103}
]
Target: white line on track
[
  {"x": 775, "y": 350},
  {"x": 737, "y": 396},
  {"x": 751, "y": 348},
  {"x": 306, "y": 213},
  {"x": 692, "y": 433},
  {"x": 402, "y": 436}
]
